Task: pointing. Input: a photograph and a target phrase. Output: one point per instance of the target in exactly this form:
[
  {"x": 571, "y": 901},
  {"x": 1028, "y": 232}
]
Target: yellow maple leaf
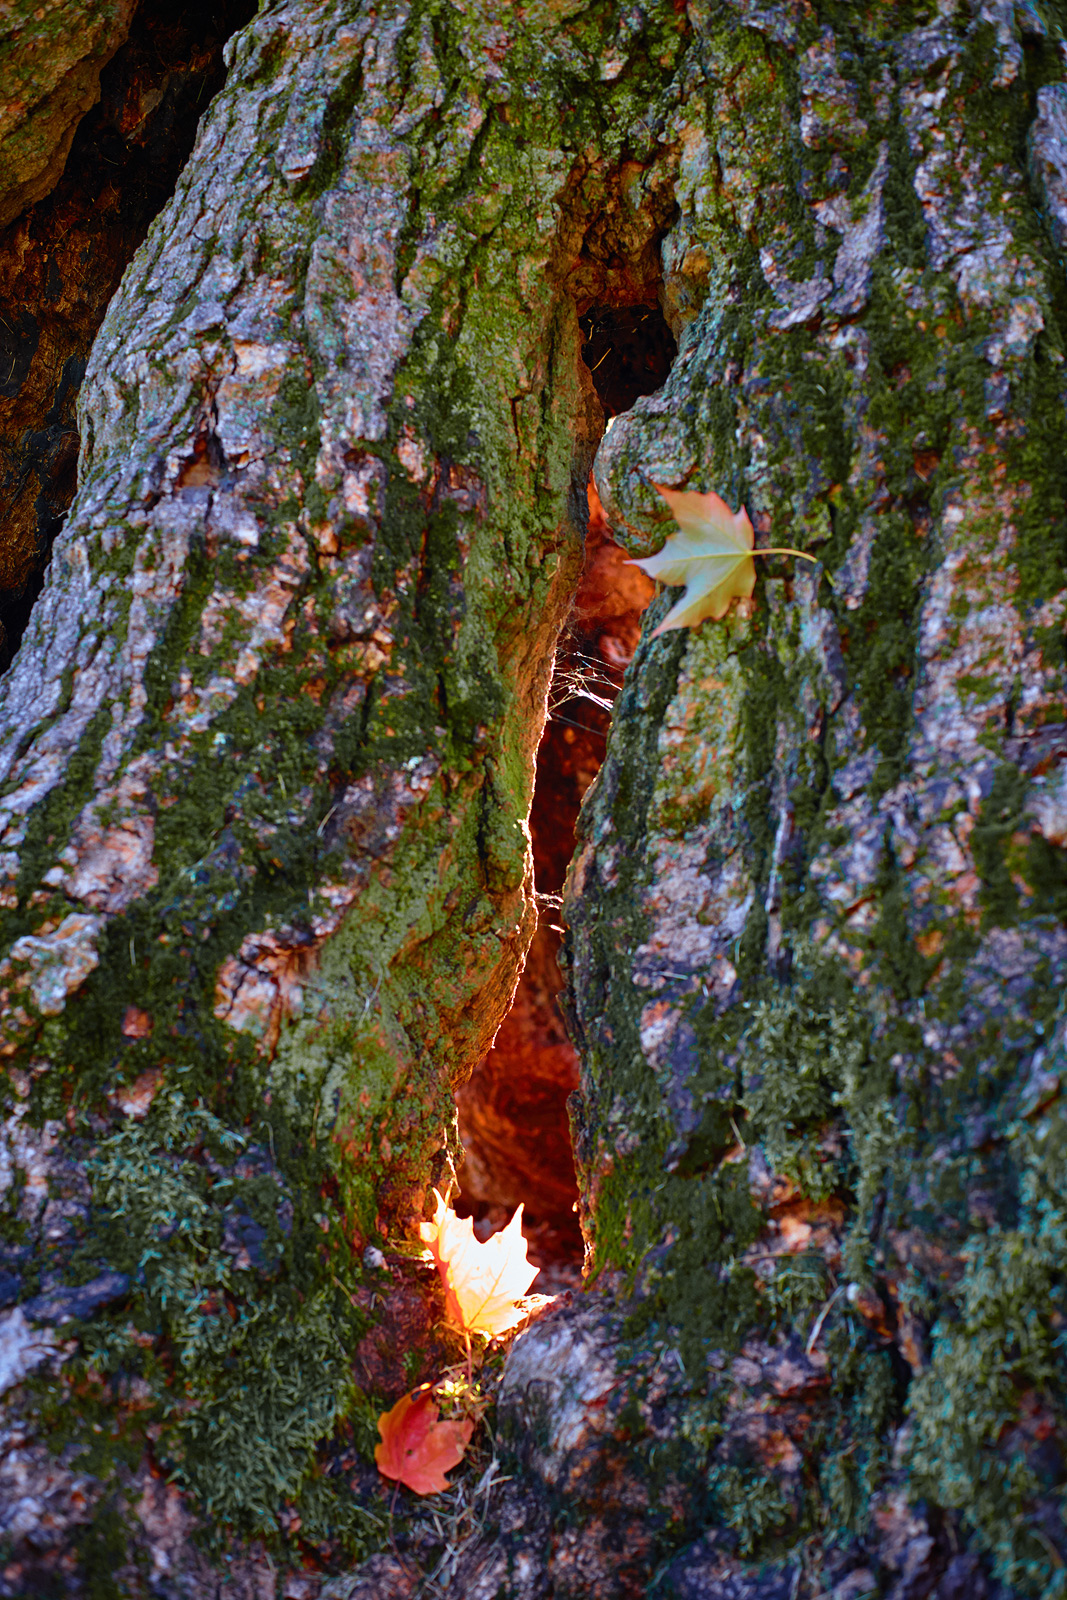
[
  {"x": 482, "y": 1281},
  {"x": 711, "y": 555}
]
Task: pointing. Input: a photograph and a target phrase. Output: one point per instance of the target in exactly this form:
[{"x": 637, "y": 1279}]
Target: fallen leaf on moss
[
  {"x": 711, "y": 555},
  {"x": 417, "y": 1448},
  {"x": 482, "y": 1281}
]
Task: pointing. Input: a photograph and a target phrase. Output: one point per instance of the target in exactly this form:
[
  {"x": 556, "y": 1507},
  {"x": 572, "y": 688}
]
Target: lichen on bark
[
  {"x": 816, "y": 923},
  {"x": 269, "y": 747},
  {"x": 268, "y": 751}
]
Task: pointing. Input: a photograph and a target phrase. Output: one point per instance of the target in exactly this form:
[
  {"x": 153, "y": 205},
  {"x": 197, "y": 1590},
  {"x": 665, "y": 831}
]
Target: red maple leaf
[{"x": 417, "y": 1449}]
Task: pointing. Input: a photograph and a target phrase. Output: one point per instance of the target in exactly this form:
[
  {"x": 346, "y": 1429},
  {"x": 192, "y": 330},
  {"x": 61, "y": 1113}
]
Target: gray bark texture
[{"x": 267, "y": 753}]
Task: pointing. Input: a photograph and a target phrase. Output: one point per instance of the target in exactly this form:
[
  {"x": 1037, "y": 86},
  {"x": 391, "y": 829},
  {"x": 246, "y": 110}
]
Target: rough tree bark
[
  {"x": 268, "y": 748},
  {"x": 62, "y": 259}
]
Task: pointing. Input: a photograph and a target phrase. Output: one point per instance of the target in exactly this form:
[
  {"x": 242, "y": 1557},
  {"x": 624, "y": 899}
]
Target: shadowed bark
[
  {"x": 268, "y": 750},
  {"x": 51, "y": 57},
  {"x": 61, "y": 261}
]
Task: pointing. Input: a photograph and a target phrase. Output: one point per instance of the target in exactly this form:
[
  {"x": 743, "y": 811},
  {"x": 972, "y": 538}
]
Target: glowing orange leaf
[
  {"x": 711, "y": 554},
  {"x": 417, "y": 1449},
  {"x": 482, "y": 1281}
]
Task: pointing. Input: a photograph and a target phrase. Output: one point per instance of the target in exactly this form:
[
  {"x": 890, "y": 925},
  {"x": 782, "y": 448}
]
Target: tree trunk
[
  {"x": 268, "y": 749},
  {"x": 62, "y": 259}
]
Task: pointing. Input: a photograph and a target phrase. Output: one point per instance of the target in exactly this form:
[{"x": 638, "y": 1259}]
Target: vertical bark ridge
[{"x": 817, "y": 918}]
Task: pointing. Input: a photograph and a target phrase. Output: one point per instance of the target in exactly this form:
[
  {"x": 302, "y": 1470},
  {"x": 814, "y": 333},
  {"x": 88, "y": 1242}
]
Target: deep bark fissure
[{"x": 513, "y": 1112}]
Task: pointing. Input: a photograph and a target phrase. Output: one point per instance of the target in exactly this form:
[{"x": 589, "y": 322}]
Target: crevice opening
[{"x": 513, "y": 1111}]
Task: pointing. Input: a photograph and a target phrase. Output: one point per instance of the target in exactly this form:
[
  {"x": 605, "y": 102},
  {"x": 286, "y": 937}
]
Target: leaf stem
[{"x": 786, "y": 550}]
